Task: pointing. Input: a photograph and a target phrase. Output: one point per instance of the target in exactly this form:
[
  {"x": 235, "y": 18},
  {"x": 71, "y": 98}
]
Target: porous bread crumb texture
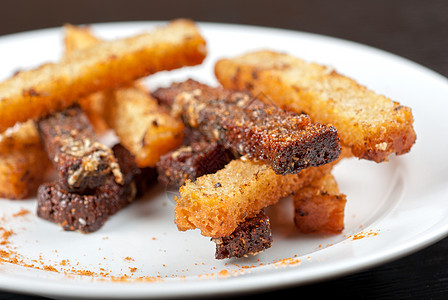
[
  {"x": 217, "y": 203},
  {"x": 144, "y": 128},
  {"x": 88, "y": 212},
  {"x": 249, "y": 238},
  {"x": 190, "y": 162},
  {"x": 81, "y": 37},
  {"x": 81, "y": 162},
  {"x": 287, "y": 141},
  {"x": 319, "y": 207},
  {"x": 106, "y": 65},
  {"x": 372, "y": 125}
]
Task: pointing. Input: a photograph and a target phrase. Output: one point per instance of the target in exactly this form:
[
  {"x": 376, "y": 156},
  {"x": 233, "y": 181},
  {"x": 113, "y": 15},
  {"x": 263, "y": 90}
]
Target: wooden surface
[{"x": 417, "y": 30}]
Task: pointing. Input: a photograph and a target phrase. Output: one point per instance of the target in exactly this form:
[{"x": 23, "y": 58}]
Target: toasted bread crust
[
  {"x": 287, "y": 141},
  {"x": 192, "y": 161},
  {"x": 217, "y": 203},
  {"x": 81, "y": 162},
  {"x": 372, "y": 125},
  {"x": 81, "y": 37},
  {"x": 144, "y": 128},
  {"x": 35, "y": 93},
  {"x": 249, "y": 238},
  {"x": 88, "y": 213},
  {"x": 78, "y": 37}
]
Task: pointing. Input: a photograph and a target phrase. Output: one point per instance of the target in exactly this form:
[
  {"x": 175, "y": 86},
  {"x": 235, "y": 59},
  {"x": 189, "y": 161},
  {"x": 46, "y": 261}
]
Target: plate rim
[{"x": 287, "y": 276}]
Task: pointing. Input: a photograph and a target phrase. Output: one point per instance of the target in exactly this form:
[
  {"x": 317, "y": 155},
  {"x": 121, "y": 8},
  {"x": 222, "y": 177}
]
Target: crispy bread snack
[
  {"x": 144, "y": 128},
  {"x": 192, "y": 161},
  {"x": 35, "y": 93},
  {"x": 217, "y": 203},
  {"x": 23, "y": 162},
  {"x": 87, "y": 213},
  {"x": 319, "y": 207},
  {"x": 287, "y": 141},
  {"x": 77, "y": 38},
  {"x": 193, "y": 136},
  {"x": 373, "y": 126},
  {"x": 84, "y": 213},
  {"x": 249, "y": 238},
  {"x": 81, "y": 162},
  {"x": 166, "y": 95}
]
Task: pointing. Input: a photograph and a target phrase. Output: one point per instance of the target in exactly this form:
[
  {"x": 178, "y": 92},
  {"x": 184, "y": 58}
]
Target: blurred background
[{"x": 415, "y": 29}]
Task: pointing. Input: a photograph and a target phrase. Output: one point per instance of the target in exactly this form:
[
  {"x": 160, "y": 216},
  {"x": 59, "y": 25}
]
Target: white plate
[{"x": 398, "y": 207}]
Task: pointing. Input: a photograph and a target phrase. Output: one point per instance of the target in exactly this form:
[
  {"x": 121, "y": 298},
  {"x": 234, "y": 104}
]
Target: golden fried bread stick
[
  {"x": 23, "y": 162},
  {"x": 144, "y": 128},
  {"x": 76, "y": 38},
  {"x": 35, "y": 93},
  {"x": 217, "y": 203},
  {"x": 319, "y": 207},
  {"x": 372, "y": 125}
]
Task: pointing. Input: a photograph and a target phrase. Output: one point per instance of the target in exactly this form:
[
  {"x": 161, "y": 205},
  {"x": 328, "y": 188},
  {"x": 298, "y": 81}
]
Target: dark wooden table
[{"x": 414, "y": 29}]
